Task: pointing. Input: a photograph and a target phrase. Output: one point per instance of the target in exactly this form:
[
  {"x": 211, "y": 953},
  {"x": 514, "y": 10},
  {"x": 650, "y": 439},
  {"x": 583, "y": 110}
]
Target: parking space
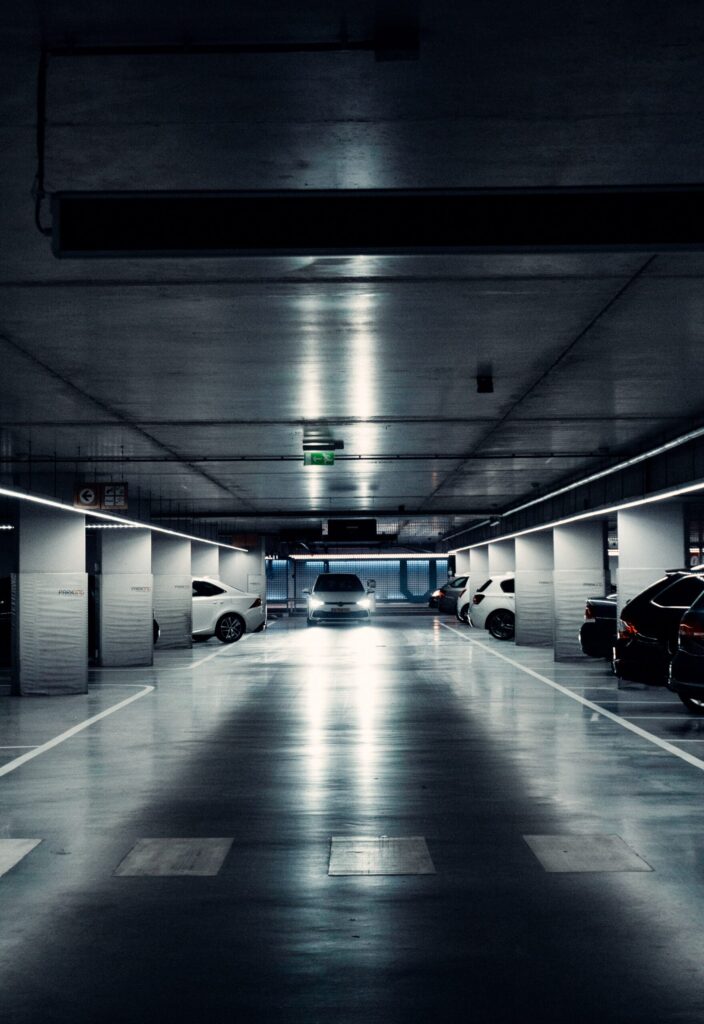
[{"x": 486, "y": 820}]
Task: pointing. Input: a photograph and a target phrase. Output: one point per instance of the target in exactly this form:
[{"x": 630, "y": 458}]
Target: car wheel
[
  {"x": 230, "y": 628},
  {"x": 310, "y": 622},
  {"x": 501, "y": 624},
  {"x": 693, "y": 704}
]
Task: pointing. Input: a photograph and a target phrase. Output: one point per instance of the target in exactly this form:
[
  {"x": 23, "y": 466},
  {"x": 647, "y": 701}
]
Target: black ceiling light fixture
[
  {"x": 321, "y": 441},
  {"x": 157, "y": 224},
  {"x": 485, "y": 379}
]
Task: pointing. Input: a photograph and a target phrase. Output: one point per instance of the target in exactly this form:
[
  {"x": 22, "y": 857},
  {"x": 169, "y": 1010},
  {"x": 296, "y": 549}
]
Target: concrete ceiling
[{"x": 195, "y": 380}]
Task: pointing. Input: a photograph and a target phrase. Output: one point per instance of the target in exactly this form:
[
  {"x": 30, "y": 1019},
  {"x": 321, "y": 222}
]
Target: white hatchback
[
  {"x": 493, "y": 606},
  {"x": 339, "y": 597},
  {"x": 223, "y": 611}
]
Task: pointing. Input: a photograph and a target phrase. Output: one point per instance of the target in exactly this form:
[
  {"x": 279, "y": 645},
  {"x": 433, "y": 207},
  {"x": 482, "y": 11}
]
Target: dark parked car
[
  {"x": 445, "y": 597},
  {"x": 687, "y": 668},
  {"x": 5, "y": 621},
  {"x": 597, "y": 634},
  {"x": 648, "y": 631}
]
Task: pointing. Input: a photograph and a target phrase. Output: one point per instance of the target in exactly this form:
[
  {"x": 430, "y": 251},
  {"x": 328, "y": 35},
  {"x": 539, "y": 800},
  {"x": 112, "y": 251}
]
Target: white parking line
[
  {"x": 623, "y": 722},
  {"x": 42, "y": 749},
  {"x": 221, "y": 650}
]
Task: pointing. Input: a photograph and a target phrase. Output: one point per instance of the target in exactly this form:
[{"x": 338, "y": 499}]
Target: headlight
[
  {"x": 315, "y": 602},
  {"x": 437, "y": 593},
  {"x": 364, "y": 603}
]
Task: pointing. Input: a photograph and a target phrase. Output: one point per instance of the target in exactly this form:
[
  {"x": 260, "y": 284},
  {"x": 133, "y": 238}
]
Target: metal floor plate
[
  {"x": 12, "y": 851},
  {"x": 585, "y": 853},
  {"x": 379, "y": 855},
  {"x": 164, "y": 857}
]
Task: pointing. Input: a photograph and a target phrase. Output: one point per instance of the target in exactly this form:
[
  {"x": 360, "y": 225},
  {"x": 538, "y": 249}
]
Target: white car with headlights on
[
  {"x": 223, "y": 611},
  {"x": 339, "y": 597}
]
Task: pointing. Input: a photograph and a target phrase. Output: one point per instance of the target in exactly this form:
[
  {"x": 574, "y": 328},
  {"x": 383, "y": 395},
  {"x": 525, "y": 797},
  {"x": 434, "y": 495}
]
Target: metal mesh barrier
[{"x": 398, "y": 580}]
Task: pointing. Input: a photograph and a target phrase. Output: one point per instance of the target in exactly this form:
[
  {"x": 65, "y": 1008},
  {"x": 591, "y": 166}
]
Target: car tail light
[
  {"x": 477, "y": 599},
  {"x": 627, "y": 630},
  {"x": 589, "y": 612},
  {"x": 691, "y": 631},
  {"x": 257, "y": 603}
]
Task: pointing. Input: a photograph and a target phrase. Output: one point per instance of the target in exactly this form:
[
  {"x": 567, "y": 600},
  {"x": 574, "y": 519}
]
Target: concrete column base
[
  {"x": 50, "y": 633},
  {"x": 534, "y": 607},
  {"x": 173, "y": 608},
  {"x": 125, "y": 617}
]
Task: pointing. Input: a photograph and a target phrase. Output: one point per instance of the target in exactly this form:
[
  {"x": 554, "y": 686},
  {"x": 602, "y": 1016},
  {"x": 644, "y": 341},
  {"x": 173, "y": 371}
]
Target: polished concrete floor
[{"x": 417, "y": 728}]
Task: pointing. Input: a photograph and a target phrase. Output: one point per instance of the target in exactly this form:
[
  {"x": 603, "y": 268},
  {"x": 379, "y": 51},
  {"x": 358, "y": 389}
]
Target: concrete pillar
[
  {"x": 578, "y": 574},
  {"x": 245, "y": 570},
  {"x": 8, "y": 566},
  {"x": 478, "y": 568},
  {"x": 502, "y": 557},
  {"x": 462, "y": 563},
  {"x": 50, "y": 603},
  {"x": 534, "y": 590},
  {"x": 205, "y": 560},
  {"x": 124, "y": 598},
  {"x": 171, "y": 568},
  {"x": 650, "y": 540}
]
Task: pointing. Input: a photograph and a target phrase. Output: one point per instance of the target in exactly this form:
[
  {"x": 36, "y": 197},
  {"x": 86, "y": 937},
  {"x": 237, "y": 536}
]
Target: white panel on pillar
[
  {"x": 534, "y": 607},
  {"x": 534, "y": 590},
  {"x": 579, "y": 550},
  {"x": 173, "y": 605},
  {"x": 50, "y": 603},
  {"x": 125, "y": 616},
  {"x": 50, "y": 633},
  {"x": 173, "y": 589},
  {"x": 124, "y": 598}
]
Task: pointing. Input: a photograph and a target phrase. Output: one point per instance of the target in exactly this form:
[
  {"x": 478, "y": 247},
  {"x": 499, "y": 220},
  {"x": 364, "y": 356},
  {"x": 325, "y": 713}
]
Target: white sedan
[{"x": 223, "y": 611}]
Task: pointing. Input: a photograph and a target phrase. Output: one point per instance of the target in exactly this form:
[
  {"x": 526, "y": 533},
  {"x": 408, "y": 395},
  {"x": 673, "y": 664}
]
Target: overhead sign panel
[{"x": 111, "y": 497}]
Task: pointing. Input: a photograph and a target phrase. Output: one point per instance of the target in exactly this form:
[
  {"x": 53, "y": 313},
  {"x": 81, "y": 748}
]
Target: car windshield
[{"x": 338, "y": 581}]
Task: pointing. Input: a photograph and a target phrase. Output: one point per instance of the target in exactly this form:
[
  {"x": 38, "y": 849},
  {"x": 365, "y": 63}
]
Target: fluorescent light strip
[
  {"x": 366, "y": 558},
  {"x": 675, "y": 443},
  {"x": 597, "y": 513},
  {"x": 692, "y": 435},
  {"x": 109, "y": 526},
  {"x": 106, "y": 516}
]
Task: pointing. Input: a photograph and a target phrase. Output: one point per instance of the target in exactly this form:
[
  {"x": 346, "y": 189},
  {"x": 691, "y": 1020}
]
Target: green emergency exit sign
[{"x": 318, "y": 458}]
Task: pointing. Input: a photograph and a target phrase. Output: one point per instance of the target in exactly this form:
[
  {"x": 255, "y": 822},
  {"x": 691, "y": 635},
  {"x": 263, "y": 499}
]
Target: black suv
[
  {"x": 687, "y": 668},
  {"x": 648, "y": 631}
]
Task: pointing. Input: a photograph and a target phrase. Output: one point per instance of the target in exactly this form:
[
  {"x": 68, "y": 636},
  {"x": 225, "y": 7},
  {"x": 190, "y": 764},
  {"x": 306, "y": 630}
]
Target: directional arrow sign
[{"x": 86, "y": 496}]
